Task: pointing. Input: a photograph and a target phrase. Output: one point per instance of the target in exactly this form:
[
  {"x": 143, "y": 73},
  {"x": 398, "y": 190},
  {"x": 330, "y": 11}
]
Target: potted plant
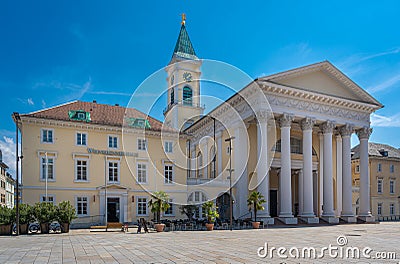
[
  {"x": 210, "y": 210},
  {"x": 256, "y": 201},
  {"x": 65, "y": 213},
  {"x": 158, "y": 205},
  {"x": 7, "y": 217},
  {"x": 25, "y": 218},
  {"x": 45, "y": 213}
]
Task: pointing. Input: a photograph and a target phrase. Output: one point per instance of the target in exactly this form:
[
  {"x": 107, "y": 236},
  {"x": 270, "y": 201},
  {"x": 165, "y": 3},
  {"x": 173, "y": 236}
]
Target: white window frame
[
  {"x": 169, "y": 147},
  {"x": 52, "y": 135},
  {"x": 118, "y": 171},
  {"x": 392, "y": 209},
  {"x": 113, "y": 137},
  {"x": 392, "y": 186},
  {"x": 169, "y": 182},
  {"x": 87, "y": 205},
  {"x": 171, "y": 207},
  {"x": 379, "y": 169},
  {"x": 146, "y": 206},
  {"x": 379, "y": 187},
  {"x": 76, "y": 169},
  {"x": 140, "y": 145},
  {"x": 42, "y": 178},
  {"x": 53, "y": 196},
  {"x": 379, "y": 209},
  {"x": 76, "y": 138},
  {"x": 146, "y": 172}
]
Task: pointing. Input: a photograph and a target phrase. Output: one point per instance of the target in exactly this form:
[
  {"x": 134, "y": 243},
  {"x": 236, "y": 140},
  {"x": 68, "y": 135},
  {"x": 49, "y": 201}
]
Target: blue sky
[{"x": 57, "y": 51}]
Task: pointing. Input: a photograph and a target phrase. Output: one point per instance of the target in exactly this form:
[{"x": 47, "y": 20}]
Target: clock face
[
  {"x": 187, "y": 76},
  {"x": 172, "y": 79}
]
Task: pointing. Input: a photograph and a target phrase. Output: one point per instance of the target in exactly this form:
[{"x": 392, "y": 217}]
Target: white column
[
  {"x": 124, "y": 207},
  {"x": 308, "y": 210},
  {"x": 219, "y": 153},
  {"x": 338, "y": 174},
  {"x": 285, "y": 179},
  {"x": 300, "y": 191},
  {"x": 239, "y": 175},
  {"x": 363, "y": 135},
  {"x": 206, "y": 161},
  {"x": 347, "y": 207},
  {"x": 327, "y": 129},
  {"x": 262, "y": 166},
  {"x": 321, "y": 172}
]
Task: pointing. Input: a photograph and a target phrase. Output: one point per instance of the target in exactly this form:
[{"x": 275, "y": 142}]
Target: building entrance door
[
  {"x": 223, "y": 204},
  {"x": 273, "y": 203},
  {"x": 113, "y": 210}
]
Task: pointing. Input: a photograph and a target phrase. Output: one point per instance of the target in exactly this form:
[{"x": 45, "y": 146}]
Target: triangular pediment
[
  {"x": 113, "y": 187},
  {"x": 322, "y": 78}
]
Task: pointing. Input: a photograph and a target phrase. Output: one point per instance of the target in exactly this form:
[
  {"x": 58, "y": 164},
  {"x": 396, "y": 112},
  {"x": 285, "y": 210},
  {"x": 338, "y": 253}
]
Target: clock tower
[{"x": 183, "y": 100}]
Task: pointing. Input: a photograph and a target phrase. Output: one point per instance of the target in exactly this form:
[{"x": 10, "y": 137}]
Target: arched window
[
  {"x": 172, "y": 99},
  {"x": 199, "y": 165},
  {"x": 187, "y": 96},
  {"x": 187, "y": 124},
  {"x": 198, "y": 198},
  {"x": 213, "y": 160}
]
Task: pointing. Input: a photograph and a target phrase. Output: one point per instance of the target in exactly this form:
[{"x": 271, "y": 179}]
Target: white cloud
[
  {"x": 355, "y": 59},
  {"x": 30, "y": 101},
  {"x": 43, "y": 103},
  {"x": 384, "y": 121},
  {"x": 7, "y": 146},
  {"x": 386, "y": 84}
]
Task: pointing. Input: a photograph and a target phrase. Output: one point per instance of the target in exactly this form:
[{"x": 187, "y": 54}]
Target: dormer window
[
  {"x": 79, "y": 115},
  {"x": 137, "y": 122}
]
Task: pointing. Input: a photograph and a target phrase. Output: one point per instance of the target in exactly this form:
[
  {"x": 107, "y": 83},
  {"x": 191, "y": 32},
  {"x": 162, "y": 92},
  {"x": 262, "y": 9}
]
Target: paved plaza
[{"x": 221, "y": 246}]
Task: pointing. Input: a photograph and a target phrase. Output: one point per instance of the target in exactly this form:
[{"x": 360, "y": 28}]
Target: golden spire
[{"x": 183, "y": 19}]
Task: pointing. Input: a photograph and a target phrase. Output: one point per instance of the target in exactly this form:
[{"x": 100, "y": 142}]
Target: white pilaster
[
  {"x": 347, "y": 208},
  {"x": 338, "y": 175},
  {"x": 327, "y": 129},
  {"x": 262, "y": 166},
  {"x": 321, "y": 173},
  {"x": 219, "y": 153},
  {"x": 285, "y": 179},
  {"x": 308, "y": 196},
  {"x": 300, "y": 191},
  {"x": 124, "y": 207},
  {"x": 365, "y": 211}
]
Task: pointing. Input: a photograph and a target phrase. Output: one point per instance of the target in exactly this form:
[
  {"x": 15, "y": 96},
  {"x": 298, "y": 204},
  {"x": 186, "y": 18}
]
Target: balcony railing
[{"x": 202, "y": 106}]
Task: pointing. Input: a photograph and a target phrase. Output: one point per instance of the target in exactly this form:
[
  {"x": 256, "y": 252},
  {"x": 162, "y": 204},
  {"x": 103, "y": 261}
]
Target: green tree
[
  {"x": 159, "y": 203},
  {"x": 256, "y": 201},
  {"x": 210, "y": 210}
]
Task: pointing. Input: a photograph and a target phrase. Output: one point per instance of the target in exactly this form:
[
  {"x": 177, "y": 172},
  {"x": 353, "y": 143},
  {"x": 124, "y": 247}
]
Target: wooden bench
[{"x": 110, "y": 225}]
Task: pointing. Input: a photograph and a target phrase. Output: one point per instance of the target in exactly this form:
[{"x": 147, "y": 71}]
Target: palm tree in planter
[
  {"x": 159, "y": 203},
  {"x": 65, "y": 214},
  {"x": 256, "y": 201},
  {"x": 210, "y": 210}
]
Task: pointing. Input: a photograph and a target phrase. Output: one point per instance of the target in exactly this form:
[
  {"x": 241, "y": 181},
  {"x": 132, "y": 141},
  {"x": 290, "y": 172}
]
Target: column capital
[
  {"x": 364, "y": 133},
  {"x": 346, "y": 130},
  {"x": 307, "y": 123},
  {"x": 327, "y": 127},
  {"x": 263, "y": 116},
  {"x": 285, "y": 120}
]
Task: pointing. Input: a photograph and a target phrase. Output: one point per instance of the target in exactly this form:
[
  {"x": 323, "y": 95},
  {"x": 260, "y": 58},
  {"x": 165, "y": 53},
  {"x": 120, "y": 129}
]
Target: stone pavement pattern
[{"x": 238, "y": 246}]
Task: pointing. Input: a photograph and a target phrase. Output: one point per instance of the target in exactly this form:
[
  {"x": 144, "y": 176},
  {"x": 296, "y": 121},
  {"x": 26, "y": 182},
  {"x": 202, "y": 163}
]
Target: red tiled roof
[{"x": 100, "y": 114}]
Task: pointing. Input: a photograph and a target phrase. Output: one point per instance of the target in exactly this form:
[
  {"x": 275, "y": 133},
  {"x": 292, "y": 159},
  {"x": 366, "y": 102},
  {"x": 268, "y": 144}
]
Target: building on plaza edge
[{"x": 77, "y": 149}]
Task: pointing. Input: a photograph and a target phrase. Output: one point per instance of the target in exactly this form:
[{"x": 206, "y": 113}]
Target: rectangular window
[
  {"x": 113, "y": 171},
  {"x": 112, "y": 141},
  {"x": 380, "y": 185},
  {"x": 391, "y": 186},
  {"x": 168, "y": 174},
  {"x": 82, "y": 206},
  {"x": 392, "y": 209},
  {"x": 142, "y": 173},
  {"x": 3, "y": 184},
  {"x": 379, "y": 209},
  {"x": 357, "y": 168},
  {"x": 170, "y": 210},
  {"x": 49, "y": 173},
  {"x": 379, "y": 167},
  {"x": 391, "y": 168},
  {"x": 81, "y": 139},
  {"x": 3, "y": 198},
  {"x": 81, "y": 170},
  {"x": 142, "y": 144},
  {"x": 168, "y": 147},
  {"x": 142, "y": 206},
  {"x": 47, "y": 135},
  {"x": 50, "y": 198}
]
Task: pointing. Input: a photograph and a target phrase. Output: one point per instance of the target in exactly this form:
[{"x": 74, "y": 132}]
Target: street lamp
[
  {"x": 230, "y": 181},
  {"x": 46, "y": 174},
  {"x": 17, "y": 120}
]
